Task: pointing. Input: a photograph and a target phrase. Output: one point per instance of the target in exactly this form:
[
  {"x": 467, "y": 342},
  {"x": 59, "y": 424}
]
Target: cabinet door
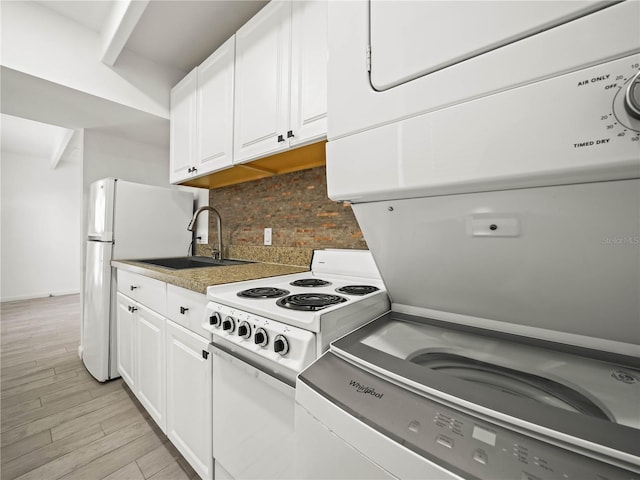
[
  {"x": 215, "y": 110},
  {"x": 262, "y": 83},
  {"x": 309, "y": 49},
  {"x": 183, "y": 127},
  {"x": 189, "y": 397},
  {"x": 126, "y": 339},
  {"x": 150, "y": 363}
]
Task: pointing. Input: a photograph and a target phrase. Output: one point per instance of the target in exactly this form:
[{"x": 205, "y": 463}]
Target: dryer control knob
[
  {"x": 244, "y": 330},
  {"x": 261, "y": 338},
  {"x": 229, "y": 324},
  {"x": 281, "y": 345},
  {"x": 632, "y": 97}
]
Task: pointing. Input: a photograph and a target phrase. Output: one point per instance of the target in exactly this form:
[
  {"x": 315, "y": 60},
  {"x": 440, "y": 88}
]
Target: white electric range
[{"x": 267, "y": 331}]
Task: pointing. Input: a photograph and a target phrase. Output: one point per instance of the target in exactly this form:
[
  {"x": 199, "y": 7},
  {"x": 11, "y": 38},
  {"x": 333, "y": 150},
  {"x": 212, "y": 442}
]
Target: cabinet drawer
[
  {"x": 186, "y": 308},
  {"x": 149, "y": 292}
]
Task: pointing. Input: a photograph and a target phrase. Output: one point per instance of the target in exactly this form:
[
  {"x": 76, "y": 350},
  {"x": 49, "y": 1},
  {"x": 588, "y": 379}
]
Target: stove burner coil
[
  {"x": 263, "y": 292},
  {"x": 357, "y": 289},
  {"x": 310, "y": 282},
  {"x": 310, "y": 302}
]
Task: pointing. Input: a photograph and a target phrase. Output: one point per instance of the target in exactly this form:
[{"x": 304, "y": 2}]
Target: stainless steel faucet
[{"x": 215, "y": 254}]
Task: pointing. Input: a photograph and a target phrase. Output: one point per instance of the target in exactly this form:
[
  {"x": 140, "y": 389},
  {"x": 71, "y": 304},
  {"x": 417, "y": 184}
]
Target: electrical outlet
[{"x": 267, "y": 236}]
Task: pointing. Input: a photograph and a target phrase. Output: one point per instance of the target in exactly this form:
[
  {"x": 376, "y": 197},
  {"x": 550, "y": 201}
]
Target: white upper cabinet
[
  {"x": 262, "y": 82},
  {"x": 183, "y": 127},
  {"x": 261, "y": 92},
  {"x": 214, "y": 125},
  {"x": 308, "y": 71},
  {"x": 281, "y": 68},
  {"x": 202, "y": 117}
]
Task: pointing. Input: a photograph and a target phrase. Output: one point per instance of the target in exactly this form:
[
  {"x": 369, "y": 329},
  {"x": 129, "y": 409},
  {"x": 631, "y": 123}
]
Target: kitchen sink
[{"x": 179, "y": 263}]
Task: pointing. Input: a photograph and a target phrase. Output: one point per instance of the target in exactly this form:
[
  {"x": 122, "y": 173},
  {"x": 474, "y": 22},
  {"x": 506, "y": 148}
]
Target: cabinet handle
[
  {"x": 194, "y": 170},
  {"x": 133, "y": 287},
  {"x": 183, "y": 310},
  {"x": 280, "y": 138},
  {"x": 131, "y": 309},
  {"x": 290, "y": 134},
  {"x": 205, "y": 354}
]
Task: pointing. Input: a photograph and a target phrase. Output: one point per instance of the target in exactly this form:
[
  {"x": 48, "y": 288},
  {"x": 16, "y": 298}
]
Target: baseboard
[{"x": 31, "y": 296}]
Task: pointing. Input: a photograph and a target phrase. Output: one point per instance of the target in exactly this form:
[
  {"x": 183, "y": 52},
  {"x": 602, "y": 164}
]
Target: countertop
[{"x": 198, "y": 279}]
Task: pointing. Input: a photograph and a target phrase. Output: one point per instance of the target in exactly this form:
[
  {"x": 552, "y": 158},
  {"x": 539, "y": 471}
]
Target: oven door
[{"x": 253, "y": 417}]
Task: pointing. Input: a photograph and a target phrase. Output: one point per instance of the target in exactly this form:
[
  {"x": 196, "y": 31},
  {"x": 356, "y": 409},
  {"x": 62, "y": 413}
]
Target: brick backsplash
[{"x": 295, "y": 205}]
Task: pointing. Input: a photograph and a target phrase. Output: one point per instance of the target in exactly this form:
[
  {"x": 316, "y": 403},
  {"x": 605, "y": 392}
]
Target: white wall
[
  {"x": 40, "y": 221},
  {"x": 106, "y": 155},
  {"x": 111, "y": 156},
  {"x": 44, "y": 210}
]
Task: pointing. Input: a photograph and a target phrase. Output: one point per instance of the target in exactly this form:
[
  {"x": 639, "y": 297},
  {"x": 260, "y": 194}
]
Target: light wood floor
[{"x": 56, "y": 420}]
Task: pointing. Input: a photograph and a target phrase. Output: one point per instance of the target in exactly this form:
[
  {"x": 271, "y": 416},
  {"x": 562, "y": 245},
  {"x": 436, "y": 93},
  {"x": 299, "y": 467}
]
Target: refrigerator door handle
[{"x": 101, "y": 237}]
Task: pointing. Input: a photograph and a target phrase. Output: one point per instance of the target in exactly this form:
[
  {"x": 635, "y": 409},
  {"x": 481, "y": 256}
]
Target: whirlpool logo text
[{"x": 364, "y": 389}]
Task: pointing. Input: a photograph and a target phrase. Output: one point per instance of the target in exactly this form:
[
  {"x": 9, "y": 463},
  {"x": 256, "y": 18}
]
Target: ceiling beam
[
  {"x": 60, "y": 148},
  {"x": 119, "y": 26}
]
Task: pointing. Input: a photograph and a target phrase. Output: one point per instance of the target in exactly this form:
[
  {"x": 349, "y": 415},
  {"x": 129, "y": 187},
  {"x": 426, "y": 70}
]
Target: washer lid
[{"x": 513, "y": 382}]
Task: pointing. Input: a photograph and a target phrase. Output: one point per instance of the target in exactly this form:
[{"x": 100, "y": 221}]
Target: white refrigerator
[{"x": 125, "y": 221}]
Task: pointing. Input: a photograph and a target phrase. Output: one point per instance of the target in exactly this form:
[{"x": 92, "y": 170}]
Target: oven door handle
[{"x": 270, "y": 377}]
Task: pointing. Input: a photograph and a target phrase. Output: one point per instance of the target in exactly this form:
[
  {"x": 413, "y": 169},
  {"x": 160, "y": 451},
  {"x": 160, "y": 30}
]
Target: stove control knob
[
  {"x": 244, "y": 330},
  {"x": 281, "y": 345},
  {"x": 215, "y": 319},
  {"x": 261, "y": 338},
  {"x": 229, "y": 324}
]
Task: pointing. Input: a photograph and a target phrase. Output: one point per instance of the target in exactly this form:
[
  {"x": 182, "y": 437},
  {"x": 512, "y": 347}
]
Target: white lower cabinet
[
  {"x": 126, "y": 339},
  {"x": 141, "y": 355},
  {"x": 167, "y": 365},
  {"x": 189, "y": 397},
  {"x": 150, "y": 364}
]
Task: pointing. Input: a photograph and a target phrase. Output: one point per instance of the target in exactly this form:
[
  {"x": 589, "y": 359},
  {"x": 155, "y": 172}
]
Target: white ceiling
[
  {"x": 179, "y": 34},
  {"x": 176, "y": 33},
  {"x": 91, "y": 14},
  {"x": 182, "y": 34}
]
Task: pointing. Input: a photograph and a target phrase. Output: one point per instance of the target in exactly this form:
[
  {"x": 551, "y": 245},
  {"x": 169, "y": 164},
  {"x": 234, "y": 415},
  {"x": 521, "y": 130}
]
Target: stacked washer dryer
[{"x": 498, "y": 161}]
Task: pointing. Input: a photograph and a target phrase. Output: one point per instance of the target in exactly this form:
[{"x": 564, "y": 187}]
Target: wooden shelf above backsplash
[{"x": 302, "y": 158}]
